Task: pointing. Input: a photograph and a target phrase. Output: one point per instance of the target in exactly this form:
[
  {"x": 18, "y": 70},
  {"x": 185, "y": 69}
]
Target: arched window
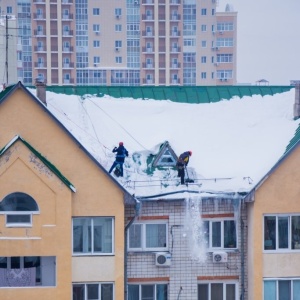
[{"x": 18, "y": 208}]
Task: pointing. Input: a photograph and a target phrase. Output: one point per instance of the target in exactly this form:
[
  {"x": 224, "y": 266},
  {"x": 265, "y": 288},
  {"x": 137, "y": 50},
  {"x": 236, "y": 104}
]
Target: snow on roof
[{"x": 234, "y": 143}]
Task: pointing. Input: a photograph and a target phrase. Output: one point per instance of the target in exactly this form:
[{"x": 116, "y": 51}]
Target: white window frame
[
  {"x": 92, "y": 252},
  {"x": 96, "y": 44},
  {"x": 118, "y": 59},
  {"x": 224, "y": 283},
  {"x": 19, "y": 224},
  {"x": 96, "y": 11},
  {"x": 276, "y": 289},
  {"x": 99, "y": 289},
  {"x": 142, "y": 237},
  {"x": 290, "y": 240},
  {"x": 149, "y": 284},
  {"x": 211, "y": 221}
]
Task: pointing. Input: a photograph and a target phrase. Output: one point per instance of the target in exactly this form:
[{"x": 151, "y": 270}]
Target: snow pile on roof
[{"x": 234, "y": 143}]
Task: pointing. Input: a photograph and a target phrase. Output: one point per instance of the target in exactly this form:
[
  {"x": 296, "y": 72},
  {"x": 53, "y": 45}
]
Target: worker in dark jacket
[
  {"x": 120, "y": 157},
  {"x": 182, "y": 162}
]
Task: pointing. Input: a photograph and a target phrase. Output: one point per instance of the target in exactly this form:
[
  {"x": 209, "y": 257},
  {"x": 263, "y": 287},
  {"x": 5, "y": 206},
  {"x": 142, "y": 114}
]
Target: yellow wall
[
  {"x": 96, "y": 195},
  {"x": 279, "y": 194}
]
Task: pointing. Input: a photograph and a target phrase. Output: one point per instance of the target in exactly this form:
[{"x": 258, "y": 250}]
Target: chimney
[
  {"x": 41, "y": 89},
  {"x": 297, "y": 101}
]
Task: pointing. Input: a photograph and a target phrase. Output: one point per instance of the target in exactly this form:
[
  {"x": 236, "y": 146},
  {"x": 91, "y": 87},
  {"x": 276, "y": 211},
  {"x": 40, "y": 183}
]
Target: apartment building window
[
  {"x": 225, "y": 26},
  {"x": 224, "y": 74},
  {"x": 118, "y": 27},
  {"x": 96, "y": 59},
  {"x": 148, "y": 291},
  {"x": 148, "y": 236},
  {"x": 189, "y": 29},
  {"x": 118, "y": 12},
  {"x": 94, "y": 291},
  {"x": 93, "y": 235},
  {"x": 118, "y": 59},
  {"x": 189, "y": 42},
  {"x": 213, "y": 11},
  {"x": 282, "y": 289},
  {"x": 217, "y": 291},
  {"x": 224, "y": 42},
  {"x": 224, "y": 58},
  {"x": 18, "y": 209},
  {"x": 96, "y": 27},
  {"x": 96, "y": 44},
  {"x": 220, "y": 234},
  {"x": 9, "y": 9},
  {"x": 96, "y": 11},
  {"x": 203, "y": 59},
  {"x": 118, "y": 44},
  {"x": 203, "y": 11},
  {"x": 203, "y": 44},
  {"x": 203, "y": 27},
  {"x": 203, "y": 75},
  {"x": 27, "y": 271},
  {"x": 282, "y": 232}
]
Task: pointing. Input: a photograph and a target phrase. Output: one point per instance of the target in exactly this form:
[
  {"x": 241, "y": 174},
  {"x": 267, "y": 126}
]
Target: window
[
  {"x": 213, "y": 12},
  {"x": 282, "y": 289},
  {"x": 34, "y": 271},
  {"x": 203, "y": 11},
  {"x": 96, "y": 44},
  {"x": 224, "y": 74},
  {"x": 9, "y": 9},
  {"x": 118, "y": 59},
  {"x": 203, "y": 44},
  {"x": 118, "y": 27},
  {"x": 96, "y": 11},
  {"x": 148, "y": 291},
  {"x": 225, "y": 58},
  {"x": 282, "y": 232},
  {"x": 96, "y": 59},
  {"x": 220, "y": 234},
  {"x": 148, "y": 236},
  {"x": 217, "y": 291},
  {"x": 203, "y": 59},
  {"x": 18, "y": 209},
  {"x": 226, "y": 26},
  {"x": 203, "y": 27},
  {"x": 224, "y": 42},
  {"x": 189, "y": 42},
  {"x": 93, "y": 291},
  {"x": 93, "y": 235},
  {"x": 203, "y": 75},
  {"x": 118, "y": 12},
  {"x": 118, "y": 44},
  {"x": 96, "y": 27}
]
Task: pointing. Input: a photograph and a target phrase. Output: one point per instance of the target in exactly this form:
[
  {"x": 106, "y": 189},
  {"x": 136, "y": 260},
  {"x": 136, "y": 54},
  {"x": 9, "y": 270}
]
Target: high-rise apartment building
[{"x": 133, "y": 42}]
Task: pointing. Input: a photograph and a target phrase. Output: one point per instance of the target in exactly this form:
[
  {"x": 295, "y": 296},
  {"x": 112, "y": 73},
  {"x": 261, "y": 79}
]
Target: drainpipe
[
  {"x": 137, "y": 212},
  {"x": 297, "y": 102},
  {"x": 242, "y": 257}
]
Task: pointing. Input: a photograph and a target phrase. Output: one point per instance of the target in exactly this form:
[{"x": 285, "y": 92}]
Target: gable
[{"x": 166, "y": 157}]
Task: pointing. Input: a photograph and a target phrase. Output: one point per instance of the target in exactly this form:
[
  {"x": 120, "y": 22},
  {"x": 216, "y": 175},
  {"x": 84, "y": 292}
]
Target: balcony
[
  {"x": 67, "y": 2},
  {"x": 148, "y": 33},
  {"x": 40, "y": 49},
  {"x": 175, "y": 81},
  {"x": 68, "y": 33},
  {"x": 39, "y": 32},
  {"x": 39, "y": 1},
  {"x": 148, "y": 2},
  {"x": 40, "y": 65},
  {"x": 39, "y": 16},
  {"x": 175, "y": 49},
  {"x": 66, "y": 17},
  {"x": 148, "y": 65},
  {"x": 69, "y": 65},
  {"x": 68, "y": 81},
  {"x": 175, "y": 17},
  {"x": 175, "y": 33},
  {"x": 68, "y": 49},
  {"x": 148, "y": 17},
  {"x": 175, "y": 65}
]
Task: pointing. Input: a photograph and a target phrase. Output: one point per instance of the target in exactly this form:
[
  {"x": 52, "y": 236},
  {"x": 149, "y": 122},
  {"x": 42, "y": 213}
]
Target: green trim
[
  {"x": 182, "y": 94},
  {"x": 42, "y": 158}
]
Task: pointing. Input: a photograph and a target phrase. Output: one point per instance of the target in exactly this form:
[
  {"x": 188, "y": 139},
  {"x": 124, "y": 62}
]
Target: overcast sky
[{"x": 268, "y": 40}]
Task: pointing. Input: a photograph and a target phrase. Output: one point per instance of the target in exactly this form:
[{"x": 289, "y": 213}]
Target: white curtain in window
[
  {"x": 296, "y": 290},
  {"x": 155, "y": 235},
  {"x": 17, "y": 277}
]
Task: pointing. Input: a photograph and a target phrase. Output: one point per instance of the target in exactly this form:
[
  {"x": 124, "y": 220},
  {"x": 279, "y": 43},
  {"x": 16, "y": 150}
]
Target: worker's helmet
[
  {"x": 121, "y": 144},
  {"x": 190, "y": 152}
]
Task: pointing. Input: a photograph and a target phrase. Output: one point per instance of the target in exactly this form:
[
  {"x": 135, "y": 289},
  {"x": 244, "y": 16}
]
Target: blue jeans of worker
[{"x": 114, "y": 165}]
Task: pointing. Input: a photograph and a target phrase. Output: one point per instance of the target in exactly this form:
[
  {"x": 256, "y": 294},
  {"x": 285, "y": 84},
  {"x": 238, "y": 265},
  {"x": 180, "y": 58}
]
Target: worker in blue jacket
[{"x": 120, "y": 158}]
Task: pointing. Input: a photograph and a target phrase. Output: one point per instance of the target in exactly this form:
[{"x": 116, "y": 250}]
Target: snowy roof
[{"x": 234, "y": 143}]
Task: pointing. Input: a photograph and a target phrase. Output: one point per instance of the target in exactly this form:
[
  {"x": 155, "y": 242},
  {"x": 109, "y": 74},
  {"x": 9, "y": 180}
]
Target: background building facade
[{"x": 135, "y": 42}]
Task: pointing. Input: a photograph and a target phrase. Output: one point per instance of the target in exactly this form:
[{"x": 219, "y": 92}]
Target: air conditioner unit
[
  {"x": 219, "y": 257},
  {"x": 162, "y": 259},
  {"x": 118, "y": 16},
  {"x": 221, "y": 32},
  {"x": 97, "y": 32},
  {"x": 117, "y": 49},
  {"x": 216, "y": 64}
]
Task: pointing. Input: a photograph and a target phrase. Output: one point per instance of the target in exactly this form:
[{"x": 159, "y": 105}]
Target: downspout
[
  {"x": 137, "y": 211},
  {"x": 242, "y": 257}
]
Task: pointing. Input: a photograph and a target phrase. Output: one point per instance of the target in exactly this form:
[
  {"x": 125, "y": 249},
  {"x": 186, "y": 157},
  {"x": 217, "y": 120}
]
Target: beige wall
[
  {"x": 279, "y": 194},
  {"x": 96, "y": 195}
]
